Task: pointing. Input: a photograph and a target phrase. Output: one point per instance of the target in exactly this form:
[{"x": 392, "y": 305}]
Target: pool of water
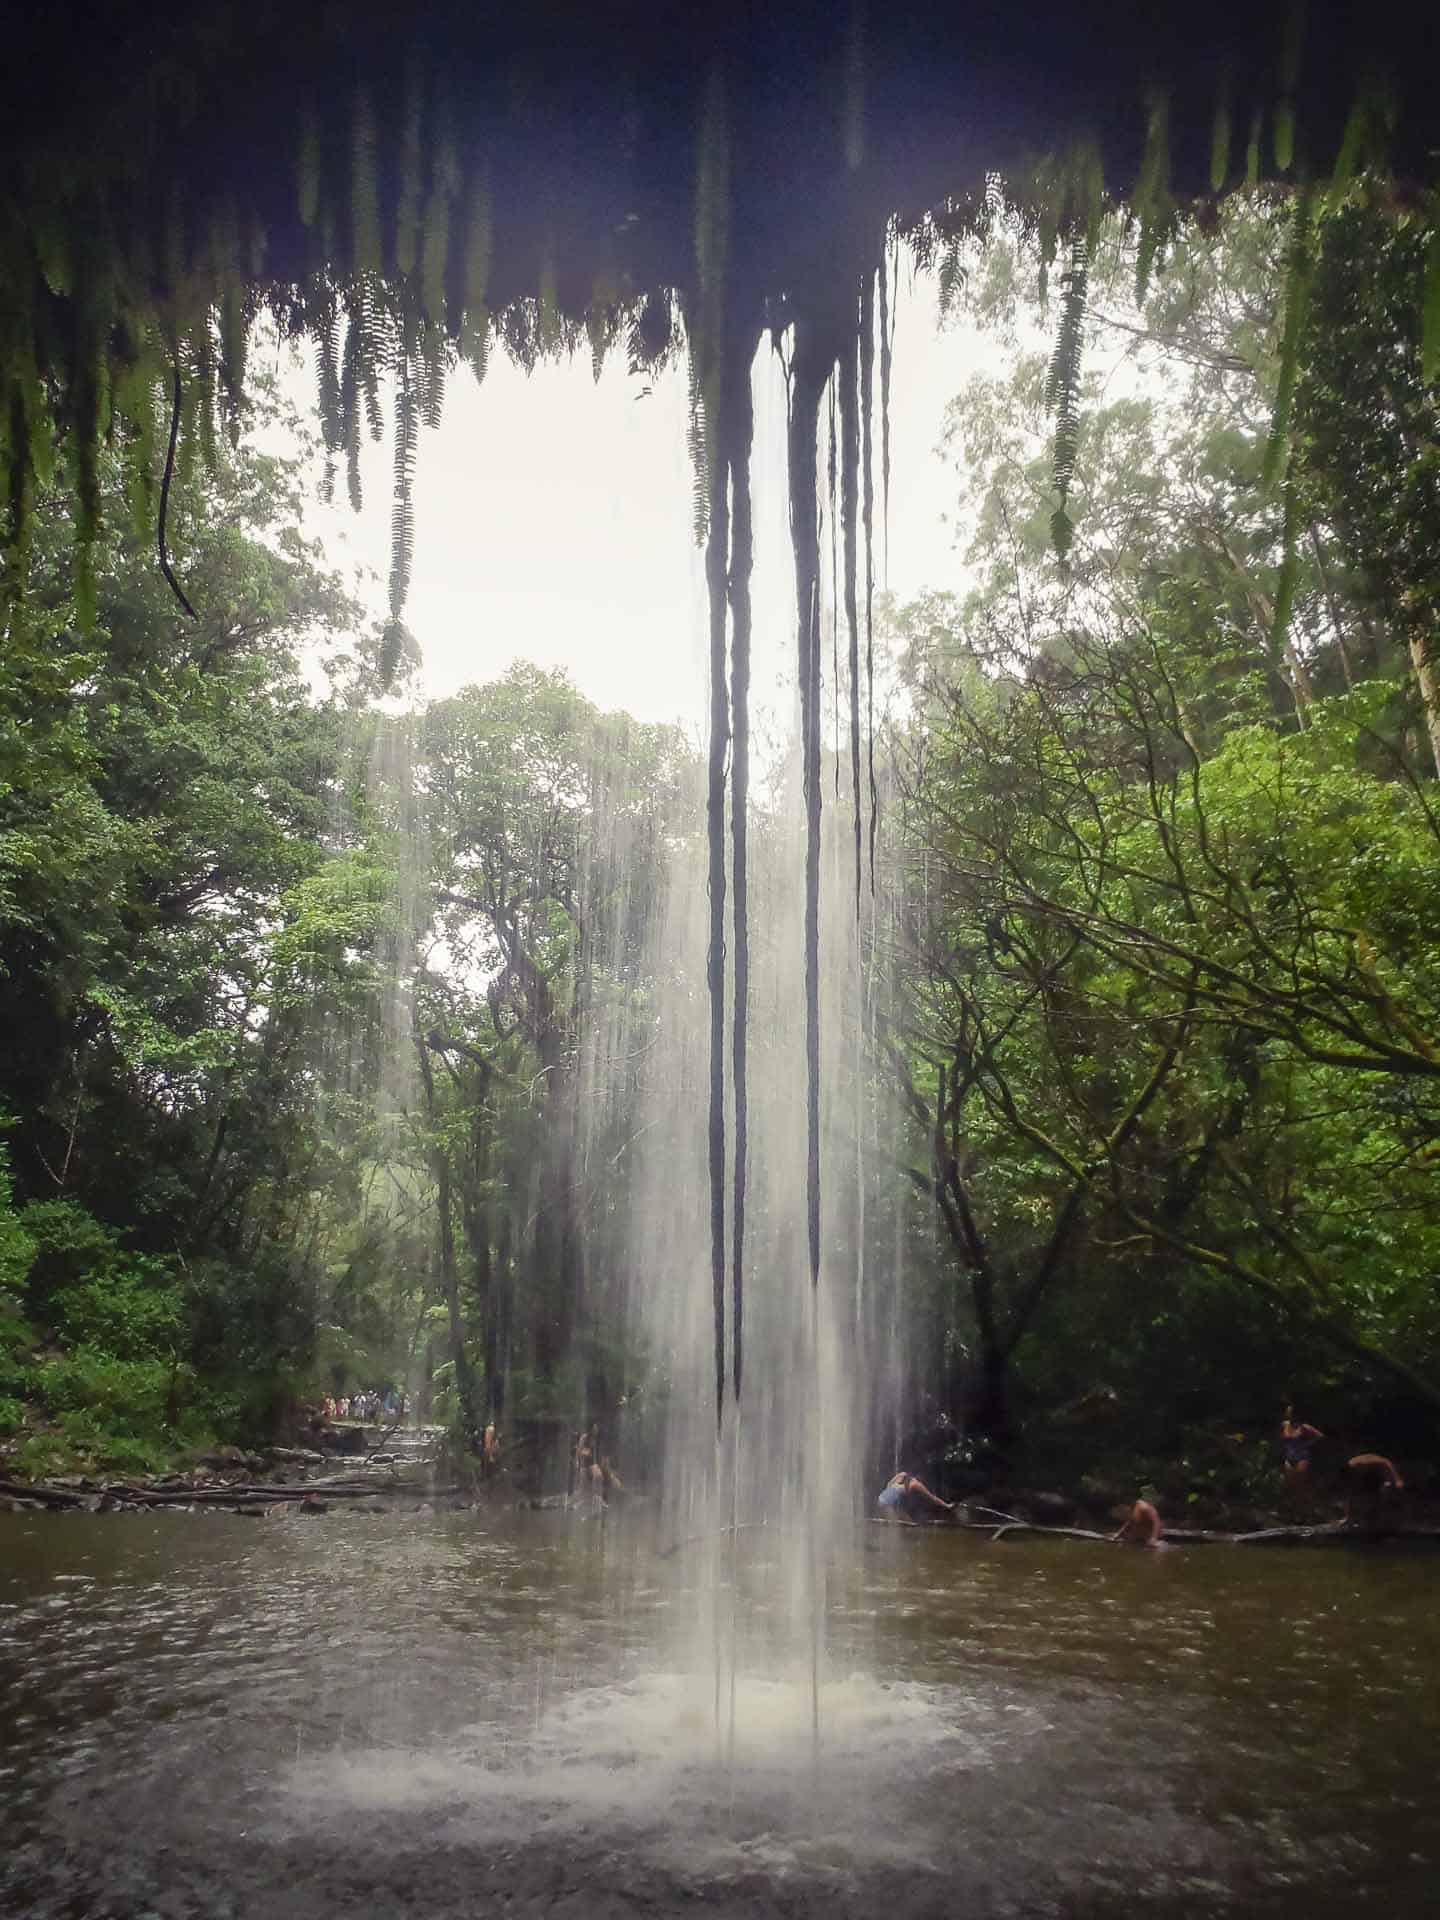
[{"x": 471, "y": 1713}]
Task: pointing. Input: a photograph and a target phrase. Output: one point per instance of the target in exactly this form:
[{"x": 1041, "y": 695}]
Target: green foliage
[{"x": 1169, "y": 998}]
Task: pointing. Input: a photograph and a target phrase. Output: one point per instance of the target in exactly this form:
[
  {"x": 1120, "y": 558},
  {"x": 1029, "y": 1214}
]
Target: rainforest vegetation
[{"x": 310, "y": 991}]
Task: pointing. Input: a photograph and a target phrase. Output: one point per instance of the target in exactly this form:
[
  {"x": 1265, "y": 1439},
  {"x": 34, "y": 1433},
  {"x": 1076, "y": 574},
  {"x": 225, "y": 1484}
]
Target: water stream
[{"x": 452, "y": 1714}]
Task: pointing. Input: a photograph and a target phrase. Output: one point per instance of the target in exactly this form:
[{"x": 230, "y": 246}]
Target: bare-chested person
[
  {"x": 1370, "y": 1479},
  {"x": 1142, "y": 1526}
]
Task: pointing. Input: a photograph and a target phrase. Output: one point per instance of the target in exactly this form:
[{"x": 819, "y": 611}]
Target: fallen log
[
  {"x": 48, "y": 1496},
  {"x": 1335, "y": 1535}
]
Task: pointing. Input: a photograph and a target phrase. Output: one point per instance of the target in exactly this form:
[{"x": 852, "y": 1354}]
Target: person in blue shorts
[{"x": 901, "y": 1493}]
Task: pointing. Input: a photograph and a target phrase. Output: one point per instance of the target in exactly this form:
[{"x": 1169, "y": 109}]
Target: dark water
[{"x": 206, "y": 1715}]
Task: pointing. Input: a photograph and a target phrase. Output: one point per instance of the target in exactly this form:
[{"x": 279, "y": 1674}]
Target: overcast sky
[{"x": 553, "y": 520}]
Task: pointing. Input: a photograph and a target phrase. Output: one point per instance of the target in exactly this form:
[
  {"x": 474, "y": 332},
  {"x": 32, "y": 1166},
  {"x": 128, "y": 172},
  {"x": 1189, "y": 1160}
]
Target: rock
[{"x": 252, "y": 1510}]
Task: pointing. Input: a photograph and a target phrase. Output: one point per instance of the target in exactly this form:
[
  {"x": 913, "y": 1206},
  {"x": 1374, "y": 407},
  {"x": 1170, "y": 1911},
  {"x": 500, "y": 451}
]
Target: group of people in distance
[
  {"x": 366, "y": 1405},
  {"x": 1370, "y": 1479}
]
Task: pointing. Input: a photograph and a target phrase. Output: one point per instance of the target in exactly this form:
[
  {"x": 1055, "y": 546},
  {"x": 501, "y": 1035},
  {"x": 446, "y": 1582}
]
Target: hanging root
[
  {"x": 847, "y": 375},
  {"x": 736, "y": 441},
  {"x": 717, "y": 559},
  {"x": 812, "y": 365},
  {"x": 177, "y": 402},
  {"x": 867, "y": 518}
]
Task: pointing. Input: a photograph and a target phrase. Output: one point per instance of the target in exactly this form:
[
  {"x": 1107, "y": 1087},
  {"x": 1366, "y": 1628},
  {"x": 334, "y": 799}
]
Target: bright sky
[{"x": 553, "y": 521}]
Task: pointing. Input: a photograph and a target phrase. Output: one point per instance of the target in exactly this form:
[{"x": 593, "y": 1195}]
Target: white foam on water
[{"x": 649, "y": 1761}]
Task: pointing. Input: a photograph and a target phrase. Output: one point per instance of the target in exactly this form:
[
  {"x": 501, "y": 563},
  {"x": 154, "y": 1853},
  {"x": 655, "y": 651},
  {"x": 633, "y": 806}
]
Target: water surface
[{"x": 463, "y": 1714}]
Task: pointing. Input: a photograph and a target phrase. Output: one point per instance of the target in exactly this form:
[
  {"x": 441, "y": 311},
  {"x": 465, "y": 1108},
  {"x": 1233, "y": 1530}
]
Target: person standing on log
[{"x": 1298, "y": 1441}]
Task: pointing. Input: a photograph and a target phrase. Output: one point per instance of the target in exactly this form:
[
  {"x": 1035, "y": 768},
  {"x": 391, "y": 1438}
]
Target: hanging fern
[
  {"x": 952, "y": 276},
  {"x": 332, "y": 424},
  {"x": 350, "y": 409},
  {"x": 136, "y": 398},
  {"x": 696, "y": 440},
  {"x": 371, "y": 350},
  {"x": 1062, "y": 389},
  {"x": 402, "y": 518},
  {"x": 431, "y": 367}
]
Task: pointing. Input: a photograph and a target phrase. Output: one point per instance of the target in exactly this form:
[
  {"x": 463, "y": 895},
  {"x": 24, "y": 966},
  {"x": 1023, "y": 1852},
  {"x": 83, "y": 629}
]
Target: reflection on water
[{"x": 446, "y": 1715}]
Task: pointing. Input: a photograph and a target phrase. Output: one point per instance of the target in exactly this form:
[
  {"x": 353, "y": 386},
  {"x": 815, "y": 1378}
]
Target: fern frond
[
  {"x": 431, "y": 368},
  {"x": 372, "y": 355},
  {"x": 1062, "y": 386},
  {"x": 332, "y": 425},
  {"x": 600, "y": 327},
  {"x": 952, "y": 276},
  {"x": 350, "y": 407},
  {"x": 475, "y": 340},
  {"x": 697, "y": 441},
  {"x": 1252, "y": 153},
  {"x": 138, "y": 401},
  {"x": 402, "y": 517}
]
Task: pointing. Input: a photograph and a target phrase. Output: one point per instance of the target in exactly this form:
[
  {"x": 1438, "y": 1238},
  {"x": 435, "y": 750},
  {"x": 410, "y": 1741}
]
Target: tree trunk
[
  {"x": 467, "y": 1400},
  {"x": 1429, "y": 692}
]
